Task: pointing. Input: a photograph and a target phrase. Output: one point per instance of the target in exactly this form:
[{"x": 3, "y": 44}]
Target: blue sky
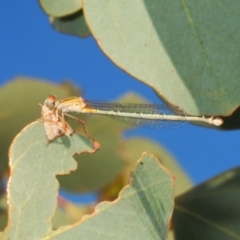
[{"x": 30, "y": 47}]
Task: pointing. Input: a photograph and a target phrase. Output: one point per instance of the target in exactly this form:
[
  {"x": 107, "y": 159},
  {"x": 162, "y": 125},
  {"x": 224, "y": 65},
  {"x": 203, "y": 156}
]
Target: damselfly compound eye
[
  {"x": 51, "y": 102},
  {"x": 52, "y": 98}
]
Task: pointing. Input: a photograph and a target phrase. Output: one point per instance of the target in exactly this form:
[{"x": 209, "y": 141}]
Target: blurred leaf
[
  {"x": 171, "y": 235},
  {"x": 69, "y": 213},
  {"x": 176, "y": 47},
  {"x": 3, "y": 212},
  {"x": 210, "y": 210},
  {"x": 32, "y": 187},
  {"x": 21, "y": 97},
  {"x": 111, "y": 191},
  {"x": 142, "y": 211},
  {"x": 73, "y": 24},
  {"x": 60, "y": 8},
  {"x": 3, "y": 221}
]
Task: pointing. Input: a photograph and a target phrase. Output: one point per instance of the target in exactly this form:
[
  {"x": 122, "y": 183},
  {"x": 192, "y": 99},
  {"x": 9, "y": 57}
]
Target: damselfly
[{"x": 149, "y": 115}]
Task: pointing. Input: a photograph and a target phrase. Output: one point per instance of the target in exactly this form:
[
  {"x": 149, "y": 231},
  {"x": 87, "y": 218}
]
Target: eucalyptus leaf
[
  {"x": 142, "y": 210},
  {"x": 60, "y": 8},
  {"x": 73, "y": 24},
  {"x": 210, "y": 210},
  {"x": 32, "y": 187},
  {"x": 187, "y": 51},
  {"x": 133, "y": 147}
]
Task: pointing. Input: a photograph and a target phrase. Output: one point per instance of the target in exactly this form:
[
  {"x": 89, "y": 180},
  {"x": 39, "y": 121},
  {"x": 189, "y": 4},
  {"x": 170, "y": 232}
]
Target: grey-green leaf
[
  {"x": 32, "y": 187},
  {"x": 73, "y": 24},
  {"x": 186, "y": 50},
  {"x": 210, "y": 210},
  {"x": 142, "y": 210},
  {"x": 60, "y": 8}
]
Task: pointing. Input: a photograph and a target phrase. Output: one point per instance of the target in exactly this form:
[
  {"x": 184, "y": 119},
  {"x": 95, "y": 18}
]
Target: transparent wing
[{"x": 161, "y": 109}]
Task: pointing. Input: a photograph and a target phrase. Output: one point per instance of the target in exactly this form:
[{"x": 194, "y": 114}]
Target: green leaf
[
  {"x": 142, "y": 210},
  {"x": 32, "y": 187},
  {"x": 186, "y": 50},
  {"x": 133, "y": 147},
  {"x": 73, "y": 24},
  {"x": 210, "y": 210},
  {"x": 21, "y": 97},
  {"x": 60, "y": 8}
]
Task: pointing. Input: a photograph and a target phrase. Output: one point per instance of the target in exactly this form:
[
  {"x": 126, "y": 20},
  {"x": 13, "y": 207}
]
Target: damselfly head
[{"x": 51, "y": 102}]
